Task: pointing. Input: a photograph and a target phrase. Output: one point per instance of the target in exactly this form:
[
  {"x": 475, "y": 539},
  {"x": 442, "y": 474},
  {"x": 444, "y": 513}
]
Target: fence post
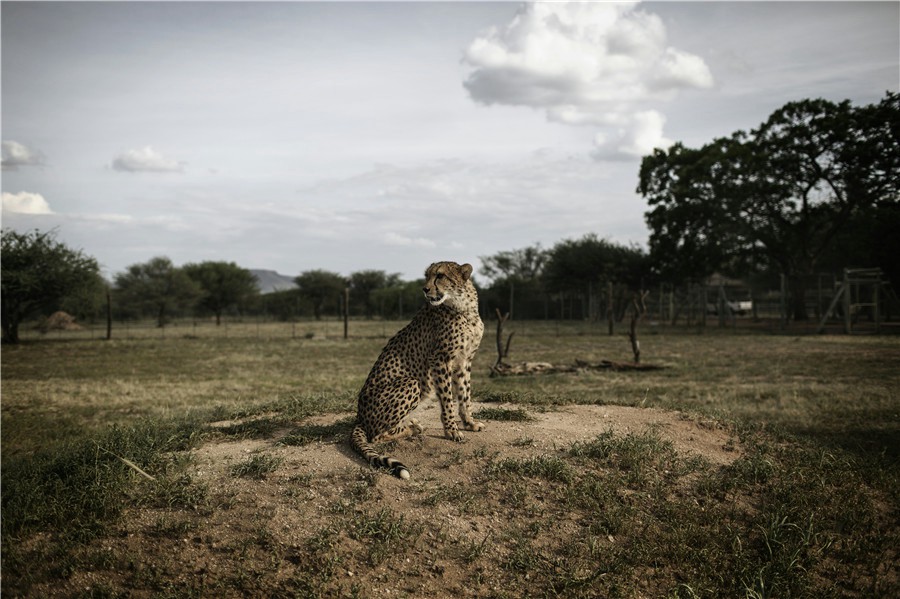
[
  {"x": 108, "y": 316},
  {"x": 660, "y": 316},
  {"x": 704, "y": 300},
  {"x": 875, "y": 307},
  {"x": 609, "y": 307},
  {"x": 848, "y": 291},
  {"x": 783, "y": 302},
  {"x": 722, "y": 305},
  {"x": 672, "y": 305},
  {"x": 346, "y": 310}
]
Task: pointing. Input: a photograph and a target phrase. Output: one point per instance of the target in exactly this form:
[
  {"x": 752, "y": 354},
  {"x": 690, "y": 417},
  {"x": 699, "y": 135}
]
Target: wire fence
[
  {"x": 860, "y": 302},
  {"x": 249, "y": 327},
  {"x": 767, "y": 320}
]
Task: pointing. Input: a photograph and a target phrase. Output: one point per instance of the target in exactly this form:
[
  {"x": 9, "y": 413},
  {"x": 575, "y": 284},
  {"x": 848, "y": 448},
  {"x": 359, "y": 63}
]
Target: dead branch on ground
[
  {"x": 530, "y": 368},
  {"x": 501, "y": 368},
  {"x": 638, "y": 309},
  {"x": 502, "y": 352}
]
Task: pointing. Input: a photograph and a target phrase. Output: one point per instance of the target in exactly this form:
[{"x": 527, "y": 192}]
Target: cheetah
[{"x": 431, "y": 356}]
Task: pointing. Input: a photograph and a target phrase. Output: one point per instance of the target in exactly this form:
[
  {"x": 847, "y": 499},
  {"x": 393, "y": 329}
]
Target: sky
[{"x": 349, "y": 136}]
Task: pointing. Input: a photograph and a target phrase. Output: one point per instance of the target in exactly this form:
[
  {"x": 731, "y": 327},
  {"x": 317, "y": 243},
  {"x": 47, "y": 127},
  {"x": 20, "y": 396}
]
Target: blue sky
[{"x": 349, "y": 136}]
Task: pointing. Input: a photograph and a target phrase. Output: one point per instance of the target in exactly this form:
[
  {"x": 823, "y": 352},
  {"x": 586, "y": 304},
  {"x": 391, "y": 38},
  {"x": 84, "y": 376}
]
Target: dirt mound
[{"x": 544, "y": 432}]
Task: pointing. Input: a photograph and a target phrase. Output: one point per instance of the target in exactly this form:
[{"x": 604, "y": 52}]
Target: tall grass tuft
[{"x": 79, "y": 489}]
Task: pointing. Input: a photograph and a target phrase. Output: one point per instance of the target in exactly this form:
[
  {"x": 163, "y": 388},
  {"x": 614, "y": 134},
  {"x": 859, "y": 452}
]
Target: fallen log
[
  {"x": 610, "y": 365},
  {"x": 529, "y": 368}
]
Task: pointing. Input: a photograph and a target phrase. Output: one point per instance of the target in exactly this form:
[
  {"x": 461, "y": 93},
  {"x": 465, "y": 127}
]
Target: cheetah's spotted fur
[{"x": 431, "y": 356}]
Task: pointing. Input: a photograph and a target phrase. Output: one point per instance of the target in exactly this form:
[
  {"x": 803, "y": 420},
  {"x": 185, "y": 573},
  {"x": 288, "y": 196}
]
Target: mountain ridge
[{"x": 270, "y": 281}]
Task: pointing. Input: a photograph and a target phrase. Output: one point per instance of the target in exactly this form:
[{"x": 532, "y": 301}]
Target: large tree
[
  {"x": 515, "y": 274},
  {"x": 400, "y": 299},
  {"x": 575, "y": 264},
  {"x": 320, "y": 287},
  {"x": 157, "y": 287},
  {"x": 690, "y": 236},
  {"x": 37, "y": 273},
  {"x": 587, "y": 267},
  {"x": 777, "y": 197},
  {"x": 224, "y": 284},
  {"x": 524, "y": 264},
  {"x": 364, "y": 284}
]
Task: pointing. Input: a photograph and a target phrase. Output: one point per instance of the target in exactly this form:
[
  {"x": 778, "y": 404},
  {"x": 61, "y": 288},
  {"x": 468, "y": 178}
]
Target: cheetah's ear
[{"x": 466, "y": 270}]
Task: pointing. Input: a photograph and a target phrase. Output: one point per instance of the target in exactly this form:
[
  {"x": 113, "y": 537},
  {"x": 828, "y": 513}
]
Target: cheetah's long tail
[{"x": 360, "y": 443}]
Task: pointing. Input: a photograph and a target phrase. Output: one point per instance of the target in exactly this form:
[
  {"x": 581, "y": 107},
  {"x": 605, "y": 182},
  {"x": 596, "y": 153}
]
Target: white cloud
[
  {"x": 393, "y": 238},
  {"x": 109, "y": 218},
  {"x": 25, "y": 203},
  {"x": 680, "y": 70},
  {"x": 586, "y": 63},
  {"x": 639, "y": 136},
  {"x": 146, "y": 159},
  {"x": 16, "y": 155}
]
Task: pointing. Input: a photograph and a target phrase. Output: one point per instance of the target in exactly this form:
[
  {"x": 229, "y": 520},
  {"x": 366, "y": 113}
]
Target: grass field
[{"x": 102, "y": 442}]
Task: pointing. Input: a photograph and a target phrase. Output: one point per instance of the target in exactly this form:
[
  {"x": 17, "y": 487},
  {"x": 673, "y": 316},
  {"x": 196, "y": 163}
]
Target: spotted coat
[{"x": 429, "y": 357}]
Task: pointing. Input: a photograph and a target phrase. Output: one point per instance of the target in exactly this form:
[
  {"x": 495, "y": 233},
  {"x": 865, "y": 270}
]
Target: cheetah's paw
[
  {"x": 453, "y": 435},
  {"x": 474, "y": 425},
  {"x": 415, "y": 428}
]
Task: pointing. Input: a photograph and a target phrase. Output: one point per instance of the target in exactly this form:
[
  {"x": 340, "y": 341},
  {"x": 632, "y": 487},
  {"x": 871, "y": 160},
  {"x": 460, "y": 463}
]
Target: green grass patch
[
  {"x": 78, "y": 489},
  {"x": 503, "y": 414},
  {"x": 546, "y": 467},
  {"x": 383, "y": 532},
  {"x": 256, "y": 466},
  {"x": 311, "y": 433},
  {"x": 259, "y": 428}
]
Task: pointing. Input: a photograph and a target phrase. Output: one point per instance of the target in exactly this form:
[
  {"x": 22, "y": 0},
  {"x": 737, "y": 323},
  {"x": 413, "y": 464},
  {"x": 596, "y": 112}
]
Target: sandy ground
[{"x": 547, "y": 431}]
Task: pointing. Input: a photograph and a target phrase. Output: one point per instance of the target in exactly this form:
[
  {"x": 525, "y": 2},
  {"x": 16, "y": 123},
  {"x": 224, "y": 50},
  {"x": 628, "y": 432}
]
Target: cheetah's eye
[{"x": 440, "y": 275}]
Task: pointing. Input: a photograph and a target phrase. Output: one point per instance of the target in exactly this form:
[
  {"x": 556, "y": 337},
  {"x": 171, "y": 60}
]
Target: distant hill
[{"x": 270, "y": 281}]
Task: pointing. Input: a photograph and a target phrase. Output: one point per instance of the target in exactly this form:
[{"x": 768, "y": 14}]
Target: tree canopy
[
  {"x": 364, "y": 284},
  {"x": 524, "y": 264},
  {"x": 319, "y": 287},
  {"x": 575, "y": 264},
  {"x": 37, "y": 273},
  {"x": 157, "y": 286},
  {"x": 775, "y": 198},
  {"x": 224, "y": 284}
]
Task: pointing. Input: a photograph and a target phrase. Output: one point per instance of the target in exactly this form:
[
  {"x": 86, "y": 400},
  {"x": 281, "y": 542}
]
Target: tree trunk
[
  {"x": 798, "y": 298},
  {"x": 10, "y": 332},
  {"x": 638, "y": 309},
  {"x": 501, "y": 351},
  {"x": 218, "y": 317},
  {"x": 10, "y": 316}
]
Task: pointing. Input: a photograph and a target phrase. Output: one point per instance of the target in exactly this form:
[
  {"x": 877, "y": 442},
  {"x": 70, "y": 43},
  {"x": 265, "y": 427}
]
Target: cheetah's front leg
[
  {"x": 443, "y": 387},
  {"x": 462, "y": 388}
]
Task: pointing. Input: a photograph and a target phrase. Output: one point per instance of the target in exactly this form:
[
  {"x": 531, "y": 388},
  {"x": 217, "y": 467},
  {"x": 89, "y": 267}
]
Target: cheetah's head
[{"x": 446, "y": 280}]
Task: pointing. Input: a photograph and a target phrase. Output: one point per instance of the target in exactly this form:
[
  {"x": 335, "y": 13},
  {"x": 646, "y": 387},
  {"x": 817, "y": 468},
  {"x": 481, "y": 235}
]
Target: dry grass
[{"x": 232, "y": 429}]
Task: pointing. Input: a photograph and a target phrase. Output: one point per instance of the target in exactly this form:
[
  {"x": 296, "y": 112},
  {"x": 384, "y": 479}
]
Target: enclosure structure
[{"x": 861, "y": 290}]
